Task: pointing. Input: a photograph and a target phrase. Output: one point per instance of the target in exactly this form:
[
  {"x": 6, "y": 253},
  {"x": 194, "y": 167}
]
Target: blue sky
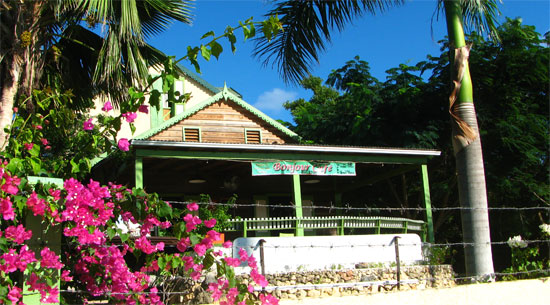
[{"x": 400, "y": 35}]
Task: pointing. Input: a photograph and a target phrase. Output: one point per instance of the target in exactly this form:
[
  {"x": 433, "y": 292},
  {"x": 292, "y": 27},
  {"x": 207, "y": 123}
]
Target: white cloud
[{"x": 272, "y": 101}]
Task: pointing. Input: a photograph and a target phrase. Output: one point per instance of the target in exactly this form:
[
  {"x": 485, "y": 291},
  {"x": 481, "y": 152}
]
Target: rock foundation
[{"x": 426, "y": 277}]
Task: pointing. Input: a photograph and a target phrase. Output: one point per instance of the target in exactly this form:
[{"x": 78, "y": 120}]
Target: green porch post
[
  {"x": 298, "y": 203},
  {"x": 139, "y": 172},
  {"x": 427, "y": 202}
]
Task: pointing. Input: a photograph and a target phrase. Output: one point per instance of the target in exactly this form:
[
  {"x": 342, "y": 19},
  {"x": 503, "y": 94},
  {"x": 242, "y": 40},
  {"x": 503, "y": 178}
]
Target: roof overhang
[{"x": 189, "y": 150}]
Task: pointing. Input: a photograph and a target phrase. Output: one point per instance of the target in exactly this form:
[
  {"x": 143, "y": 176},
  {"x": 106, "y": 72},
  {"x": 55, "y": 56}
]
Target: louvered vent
[
  {"x": 253, "y": 137},
  {"x": 191, "y": 135}
]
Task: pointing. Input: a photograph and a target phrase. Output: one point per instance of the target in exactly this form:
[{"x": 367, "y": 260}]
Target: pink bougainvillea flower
[
  {"x": 233, "y": 262},
  {"x": 52, "y": 295},
  {"x": 183, "y": 244},
  {"x": 200, "y": 249},
  {"x": 160, "y": 246},
  {"x": 11, "y": 184},
  {"x": 10, "y": 258},
  {"x": 123, "y": 144},
  {"x": 48, "y": 147},
  {"x": 50, "y": 259},
  {"x": 107, "y": 106},
  {"x": 144, "y": 245},
  {"x": 38, "y": 127},
  {"x": 191, "y": 222},
  {"x": 15, "y": 294},
  {"x": 227, "y": 244},
  {"x": 252, "y": 262},
  {"x": 216, "y": 293},
  {"x": 268, "y": 299},
  {"x": 65, "y": 276},
  {"x": 258, "y": 278},
  {"x": 44, "y": 141},
  {"x": 55, "y": 193},
  {"x": 15, "y": 109},
  {"x": 130, "y": 116},
  {"x": 26, "y": 256},
  {"x": 210, "y": 223},
  {"x": 213, "y": 235},
  {"x": 6, "y": 209},
  {"x": 143, "y": 108},
  {"x": 192, "y": 206},
  {"x": 18, "y": 234},
  {"x": 37, "y": 205},
  {"x": 28, "y": 146},
  {"x": 243, "y": 255},
  {"x": 88, "y": 125}
]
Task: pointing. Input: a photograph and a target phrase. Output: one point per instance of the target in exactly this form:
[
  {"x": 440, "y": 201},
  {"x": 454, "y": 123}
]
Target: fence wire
[{"x": 366, "y": 208}]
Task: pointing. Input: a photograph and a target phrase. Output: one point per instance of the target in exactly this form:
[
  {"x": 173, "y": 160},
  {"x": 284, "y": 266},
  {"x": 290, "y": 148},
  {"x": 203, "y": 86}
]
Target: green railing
[{"x": 340, "y": 223}]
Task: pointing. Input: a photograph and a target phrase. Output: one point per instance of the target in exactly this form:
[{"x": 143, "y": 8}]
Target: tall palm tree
[
  {"x": 106, "y": 56},
  {"x": 307, "y": 26}
]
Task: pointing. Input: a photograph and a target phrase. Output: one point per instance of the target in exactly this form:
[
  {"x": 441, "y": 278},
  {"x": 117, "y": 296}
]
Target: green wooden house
[{"x": 219, "y": 145}]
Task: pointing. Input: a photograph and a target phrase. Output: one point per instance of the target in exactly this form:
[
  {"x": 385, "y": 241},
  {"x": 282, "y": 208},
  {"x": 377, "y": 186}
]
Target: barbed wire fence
[{"x": 543, "y": 271}]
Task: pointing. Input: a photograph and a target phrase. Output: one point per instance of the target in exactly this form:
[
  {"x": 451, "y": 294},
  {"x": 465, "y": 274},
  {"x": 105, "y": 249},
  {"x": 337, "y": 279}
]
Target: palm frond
[
  {"x": 307, "y": 28},
  {"x": 479, "y": 16}
]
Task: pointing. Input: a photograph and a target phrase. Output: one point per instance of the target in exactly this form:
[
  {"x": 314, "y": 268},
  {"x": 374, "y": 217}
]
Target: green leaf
[
  {"x": 35, "y": 151},
  {"x": 164, "y": 210},
  {"x": 162, "y": 262},
  {"x": 154, "y": 98},
  {"x": 36, "y": 165},
  {"x": 176, "y": 262},
  {"x": 208, "y": 261},
  {"x": 216, "y": 49},
  {"x": 111, "y": 232},
  {"x": 124, "y": 237},
  {"x": 194, "y": 238},
  {"x": 15, "y": 165},
  {"x": 75, "y": 168},
  {"x": 211, "y": 33},
  {"x": 205, "y": 52}
]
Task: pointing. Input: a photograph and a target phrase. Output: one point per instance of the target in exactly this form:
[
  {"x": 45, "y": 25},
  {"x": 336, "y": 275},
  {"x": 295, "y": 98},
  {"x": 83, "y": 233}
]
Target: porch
[
  {"x": 292, "y": 203},
  {"x": 330, "y": 225}
]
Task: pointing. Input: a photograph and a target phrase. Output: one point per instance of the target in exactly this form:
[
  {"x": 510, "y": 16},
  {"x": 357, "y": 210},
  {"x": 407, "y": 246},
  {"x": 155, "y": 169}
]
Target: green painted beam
[
  {"x": 383, "y": 176},
  {"x": 139, "y": 172},
  {"x": 427, "y": 203},
  {"x": 298, "y": 203},
  {"x": 263, "y": 155}
]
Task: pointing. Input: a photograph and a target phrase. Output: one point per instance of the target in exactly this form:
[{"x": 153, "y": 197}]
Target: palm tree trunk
[
  {"x": 9, "y": 89},
  {"x": 468, "y": 154}
]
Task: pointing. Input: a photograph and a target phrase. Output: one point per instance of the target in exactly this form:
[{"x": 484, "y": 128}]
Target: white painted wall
[{"x": 287, "y": 254}]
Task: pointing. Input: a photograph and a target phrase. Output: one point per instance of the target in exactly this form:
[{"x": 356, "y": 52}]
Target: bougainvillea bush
[{"x": 93, "y": 263}]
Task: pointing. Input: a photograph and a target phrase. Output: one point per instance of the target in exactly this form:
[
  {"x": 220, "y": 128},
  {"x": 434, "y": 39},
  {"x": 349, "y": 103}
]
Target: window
[
  {"x": 253, "y": 136},
  {"x": 191, "y": 134}
]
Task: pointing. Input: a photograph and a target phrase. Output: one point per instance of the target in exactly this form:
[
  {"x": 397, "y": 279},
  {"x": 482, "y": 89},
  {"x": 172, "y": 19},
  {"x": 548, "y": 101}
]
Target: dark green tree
[{"x": 406, "y": 111}]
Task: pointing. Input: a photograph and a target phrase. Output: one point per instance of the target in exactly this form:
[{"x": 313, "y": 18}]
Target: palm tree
[
  {"x": 51, "y": 35},
  {"x": 307, "y": 26}
]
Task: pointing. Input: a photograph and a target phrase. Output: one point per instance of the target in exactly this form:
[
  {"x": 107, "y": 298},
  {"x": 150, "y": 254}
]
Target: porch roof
[{"x": 165, "y": 149}]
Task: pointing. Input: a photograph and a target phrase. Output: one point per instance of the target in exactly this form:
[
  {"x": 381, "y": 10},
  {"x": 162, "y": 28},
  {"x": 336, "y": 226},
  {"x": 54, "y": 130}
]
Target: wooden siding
[{"x": 224, "y": 122}]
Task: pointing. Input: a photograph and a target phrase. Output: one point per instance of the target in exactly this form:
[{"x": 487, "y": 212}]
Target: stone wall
[{"x": 423, "y": 277}]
